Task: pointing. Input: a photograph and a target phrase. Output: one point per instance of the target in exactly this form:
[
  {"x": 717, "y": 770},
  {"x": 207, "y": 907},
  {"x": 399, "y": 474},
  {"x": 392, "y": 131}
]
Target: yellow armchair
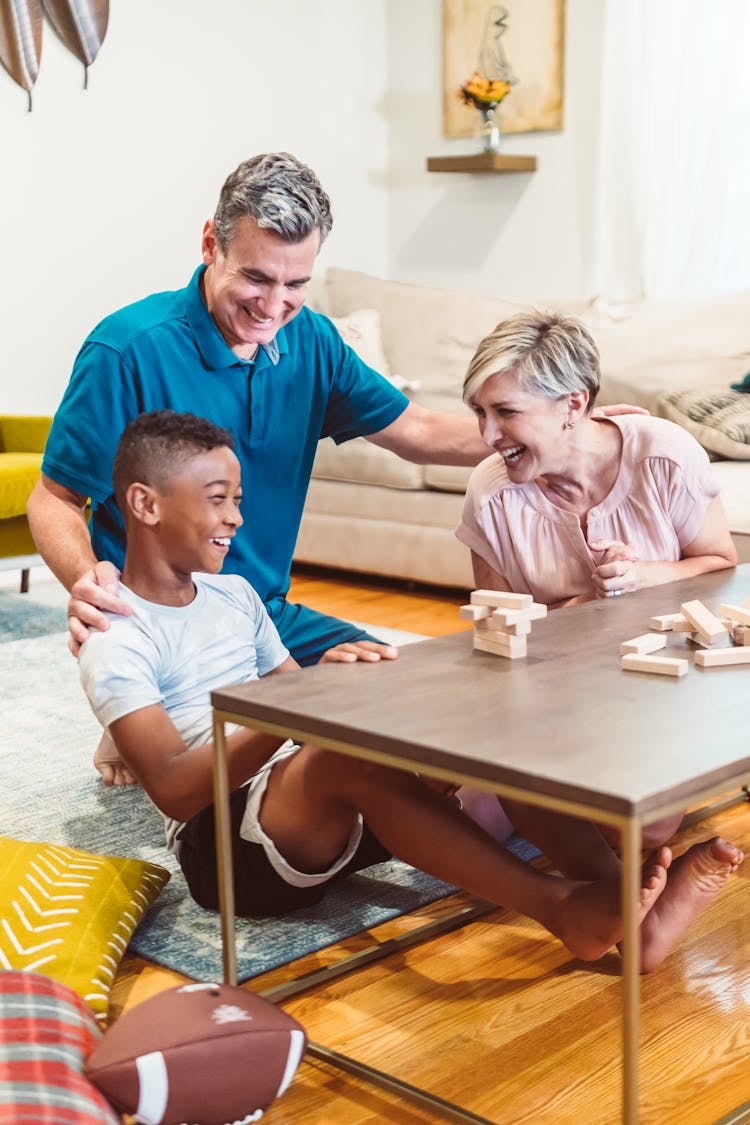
[{"x": 22, "y": 441}]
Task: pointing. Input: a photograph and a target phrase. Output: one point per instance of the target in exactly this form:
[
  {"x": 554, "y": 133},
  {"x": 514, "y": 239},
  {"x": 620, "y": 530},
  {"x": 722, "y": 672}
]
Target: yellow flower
[{"x": 480, "y": 91}]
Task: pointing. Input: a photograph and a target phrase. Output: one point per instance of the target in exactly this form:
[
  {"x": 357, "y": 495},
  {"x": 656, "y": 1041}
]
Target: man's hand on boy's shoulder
[
  {"x": 90, "y": 595},
  {"x": 368, "y": 651}
]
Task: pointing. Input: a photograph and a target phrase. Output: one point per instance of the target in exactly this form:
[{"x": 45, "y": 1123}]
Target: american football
[{"x": 207, "y": 1054}]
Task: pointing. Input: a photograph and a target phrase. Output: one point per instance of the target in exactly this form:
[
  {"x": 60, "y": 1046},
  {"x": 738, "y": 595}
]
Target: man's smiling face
[{"x": 258, "y": 285}]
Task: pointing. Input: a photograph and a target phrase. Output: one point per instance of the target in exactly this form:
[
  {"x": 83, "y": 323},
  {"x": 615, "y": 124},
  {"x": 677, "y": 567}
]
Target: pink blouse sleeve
[{"x": 686, "y": 484}]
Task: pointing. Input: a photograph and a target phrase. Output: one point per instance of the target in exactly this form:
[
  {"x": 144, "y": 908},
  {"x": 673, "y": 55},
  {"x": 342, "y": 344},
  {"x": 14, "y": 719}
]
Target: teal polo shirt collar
[{"x": 214, "y": 349}]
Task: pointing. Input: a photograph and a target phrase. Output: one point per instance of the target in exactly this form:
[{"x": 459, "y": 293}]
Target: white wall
[
  {"x": 523, "y": 236},
  {"x": 103, "y": 193}
]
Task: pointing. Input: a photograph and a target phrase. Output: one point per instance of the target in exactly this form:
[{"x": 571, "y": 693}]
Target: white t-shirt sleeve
[
  {"x": 118, "y": 672},
  {"x": 269, "y": 648}
]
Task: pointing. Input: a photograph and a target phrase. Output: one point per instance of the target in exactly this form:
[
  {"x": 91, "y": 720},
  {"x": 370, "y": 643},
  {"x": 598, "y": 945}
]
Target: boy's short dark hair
[{"x": 155, "y": 446}]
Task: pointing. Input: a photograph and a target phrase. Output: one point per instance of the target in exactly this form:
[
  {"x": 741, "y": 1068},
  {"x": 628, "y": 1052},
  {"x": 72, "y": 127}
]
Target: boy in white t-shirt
[{"x": 301, "y": 816}]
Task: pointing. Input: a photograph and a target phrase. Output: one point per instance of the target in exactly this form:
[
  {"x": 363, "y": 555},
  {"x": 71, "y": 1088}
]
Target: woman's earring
[{"x": 568, "y": 424}]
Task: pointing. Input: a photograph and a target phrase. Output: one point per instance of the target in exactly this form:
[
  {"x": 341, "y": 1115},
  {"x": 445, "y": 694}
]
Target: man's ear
[
  {"x": 209, "y": 243},
  {"x": 143, "y": 503}
]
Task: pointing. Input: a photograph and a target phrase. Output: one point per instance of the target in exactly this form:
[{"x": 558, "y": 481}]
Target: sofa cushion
[
  {"x": 360, "y": 329},
  {"x": 718, "y": 419},
  {"x": 428, "y": 334},
  {"x": 19, "y": 473},
  {"x": 657, "y": 347},
  {"x": 360, "y": 462}
]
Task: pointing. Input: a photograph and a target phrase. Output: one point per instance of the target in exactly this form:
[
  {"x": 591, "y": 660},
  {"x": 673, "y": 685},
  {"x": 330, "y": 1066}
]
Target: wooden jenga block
[
  {"x": 510, "y": 647},
  {"x": 665, "y": 622},
  {"x": 715, "y": 658},
  {"x": 503, "y": 617},
  {"x": 736, "y": 613},
  {"x": 493, "y": 628},
  {"x": 703, "y": 621},
  {"x": 647, "y": 642},
  {"x": 721, "y": 642},
  {"x": 741, "y": 634},
  {"x": 681, "y": 624},
  {"x": 474, "y": 612},
  {"x": 487, "y": 597},
  {"x": 661, "y": 665}
]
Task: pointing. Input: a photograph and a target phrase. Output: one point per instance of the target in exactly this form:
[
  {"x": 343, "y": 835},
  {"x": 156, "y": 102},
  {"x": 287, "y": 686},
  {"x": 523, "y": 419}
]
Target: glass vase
[{"x": 488, "y": 129}]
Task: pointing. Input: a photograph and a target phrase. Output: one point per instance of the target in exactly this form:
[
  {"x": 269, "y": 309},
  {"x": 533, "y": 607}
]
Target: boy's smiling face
[{"x": 198, "y": 512}]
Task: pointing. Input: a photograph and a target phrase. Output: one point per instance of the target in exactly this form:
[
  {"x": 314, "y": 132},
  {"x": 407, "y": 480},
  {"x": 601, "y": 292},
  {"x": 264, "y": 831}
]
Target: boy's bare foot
[
  {"x": 110, "y": 764},
  {"x": 695, "y": 879},
  {"x": 588, "y": 919}
]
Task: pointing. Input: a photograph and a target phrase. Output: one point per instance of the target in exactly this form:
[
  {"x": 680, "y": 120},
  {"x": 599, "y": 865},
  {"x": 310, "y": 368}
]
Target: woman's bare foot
[
  {"x": 694, "y": 881},
  {"x": 588, "y": 919},
  {"x": 110, "y": 764}
]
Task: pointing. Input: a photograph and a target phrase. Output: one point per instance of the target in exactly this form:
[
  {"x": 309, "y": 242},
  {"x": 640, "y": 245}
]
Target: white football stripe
[
  {"x": 296, "y": 1047},
  {"x": 153, "y": 1088}
]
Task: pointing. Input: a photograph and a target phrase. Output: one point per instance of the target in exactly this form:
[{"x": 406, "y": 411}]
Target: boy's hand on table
[{"x": 351, "y": 651}]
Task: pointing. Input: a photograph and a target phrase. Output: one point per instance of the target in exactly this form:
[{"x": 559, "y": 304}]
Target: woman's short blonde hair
[{"x": 550, "y": 354}]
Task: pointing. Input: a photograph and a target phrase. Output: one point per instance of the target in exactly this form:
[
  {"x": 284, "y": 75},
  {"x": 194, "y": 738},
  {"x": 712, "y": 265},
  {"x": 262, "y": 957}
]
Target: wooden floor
[{"x": 496, "y": 1016}]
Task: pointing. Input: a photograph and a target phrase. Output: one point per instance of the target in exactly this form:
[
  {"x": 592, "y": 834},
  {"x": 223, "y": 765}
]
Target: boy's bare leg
[
  {"x": 110, "y": 764},
  {"x": 311, "y": 803}
]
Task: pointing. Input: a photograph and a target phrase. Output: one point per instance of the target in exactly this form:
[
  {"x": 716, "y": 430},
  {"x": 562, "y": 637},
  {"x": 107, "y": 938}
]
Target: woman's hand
[{"x": 618, "y": 569}]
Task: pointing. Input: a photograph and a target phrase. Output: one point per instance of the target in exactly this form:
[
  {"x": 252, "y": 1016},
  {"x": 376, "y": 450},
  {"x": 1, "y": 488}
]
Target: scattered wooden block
[
  {"x": 510, "y": 647},
  {"x": 736, "y": 613},
  {"x": 703, "y": 621},
  {"x": 647, "y": 642},
  {"x": 660, "y": 665},
  {"x": 715, "y": 658},
  {"x": 665, "y": 622},
  {"x": 721, "y": 642},
  {"x": 474, "y": 612},
  {"x": 682, "y": 625},
  {"x": 741, "y": 634}
]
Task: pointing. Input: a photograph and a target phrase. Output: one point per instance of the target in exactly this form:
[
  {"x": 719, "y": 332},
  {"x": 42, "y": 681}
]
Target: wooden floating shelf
[{"x": 482, "y": 162}]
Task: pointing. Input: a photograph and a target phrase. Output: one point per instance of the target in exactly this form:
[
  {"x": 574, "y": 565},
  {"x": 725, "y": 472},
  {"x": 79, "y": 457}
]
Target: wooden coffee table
[{"x": 565, "y": 728}]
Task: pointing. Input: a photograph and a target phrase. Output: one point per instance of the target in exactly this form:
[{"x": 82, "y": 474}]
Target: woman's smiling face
[{"x": 526, "y": 429}]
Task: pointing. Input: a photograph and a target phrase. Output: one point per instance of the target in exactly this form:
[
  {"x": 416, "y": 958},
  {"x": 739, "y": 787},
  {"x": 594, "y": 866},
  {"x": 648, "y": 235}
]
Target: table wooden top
[{"x": 566, "y": 721}]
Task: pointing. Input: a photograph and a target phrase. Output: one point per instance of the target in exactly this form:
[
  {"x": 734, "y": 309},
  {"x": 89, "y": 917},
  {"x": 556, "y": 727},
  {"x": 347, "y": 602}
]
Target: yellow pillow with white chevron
[{"x": 70, "y": 914}]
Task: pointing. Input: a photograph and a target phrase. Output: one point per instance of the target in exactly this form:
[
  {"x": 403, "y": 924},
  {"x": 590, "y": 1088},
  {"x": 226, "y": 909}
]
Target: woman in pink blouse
[{"x": 571, "y": 506}]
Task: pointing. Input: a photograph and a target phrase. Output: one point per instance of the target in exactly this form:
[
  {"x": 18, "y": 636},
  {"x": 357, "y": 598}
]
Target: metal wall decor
[
  {"x": 80, "y": 24},
  {"x": 21, "y": 41}
]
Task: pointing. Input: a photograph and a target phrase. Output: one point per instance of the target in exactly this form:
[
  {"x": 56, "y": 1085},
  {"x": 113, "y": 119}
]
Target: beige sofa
[{"x": 369, "y": 511}]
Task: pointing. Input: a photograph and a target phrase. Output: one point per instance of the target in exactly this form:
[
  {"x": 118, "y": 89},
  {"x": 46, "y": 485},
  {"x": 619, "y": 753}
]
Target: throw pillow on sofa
[
  {"x": 70, "y": 914},
  {"x": 718, "y": 419}
]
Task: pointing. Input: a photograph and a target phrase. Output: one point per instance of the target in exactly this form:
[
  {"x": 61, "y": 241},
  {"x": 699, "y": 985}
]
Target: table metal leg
[
  {"x": 224, "y": 853},
  {"x": 631, "y": 968}
]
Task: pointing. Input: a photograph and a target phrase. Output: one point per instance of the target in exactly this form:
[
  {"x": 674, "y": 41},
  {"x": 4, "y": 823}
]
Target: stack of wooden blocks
[
  {"x": 502, "y": 621},
  {"x": 719, "y": 640}
]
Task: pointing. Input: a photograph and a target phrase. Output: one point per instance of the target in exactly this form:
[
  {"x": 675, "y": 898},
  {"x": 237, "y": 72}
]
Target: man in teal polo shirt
[{"x": 236, "y": 346}]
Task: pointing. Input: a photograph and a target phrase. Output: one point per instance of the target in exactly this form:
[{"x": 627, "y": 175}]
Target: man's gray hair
[
  {"x": 279, "y": 193},
  {"x": 550, "y": 354}
]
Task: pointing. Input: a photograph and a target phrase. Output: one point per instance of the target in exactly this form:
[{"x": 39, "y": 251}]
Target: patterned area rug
[
  {"x": 51, "y": 793},
  {"x": 22, "y": 617}
]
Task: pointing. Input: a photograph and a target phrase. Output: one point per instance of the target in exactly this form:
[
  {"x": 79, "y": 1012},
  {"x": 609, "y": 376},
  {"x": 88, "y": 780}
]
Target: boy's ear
[{"x": 143, "y": 503}]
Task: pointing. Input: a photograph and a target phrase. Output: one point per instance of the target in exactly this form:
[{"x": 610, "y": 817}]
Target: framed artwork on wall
[{"x": 520, "y": 41}]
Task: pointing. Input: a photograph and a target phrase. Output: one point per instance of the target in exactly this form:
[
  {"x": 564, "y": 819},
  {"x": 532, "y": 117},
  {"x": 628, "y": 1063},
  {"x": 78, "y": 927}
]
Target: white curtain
[{"x": 672, "y": 214}]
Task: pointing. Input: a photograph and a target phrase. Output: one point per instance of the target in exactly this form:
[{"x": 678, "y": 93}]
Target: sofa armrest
[{"x": 21, "y": 433}]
